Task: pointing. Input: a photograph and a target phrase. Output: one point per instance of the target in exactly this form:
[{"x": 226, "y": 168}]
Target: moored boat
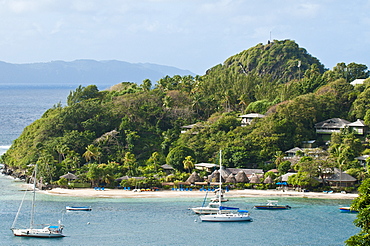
[
  {"x": 347, "y": 210},
  {"x": 272, "y": 205},
  {"x": 47, "y": 231},
  {"x": 212, "y": 208},
  {"x": 74, "y": 208},
  {"x": 239, "y": 216},
  {"x": 235, "y": 215}
]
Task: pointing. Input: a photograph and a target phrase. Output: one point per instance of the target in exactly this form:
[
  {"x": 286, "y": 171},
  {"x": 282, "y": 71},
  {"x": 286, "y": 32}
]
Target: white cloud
[
  {"x": 57, "y": 27},
  {"x": 28, "y": 6}
]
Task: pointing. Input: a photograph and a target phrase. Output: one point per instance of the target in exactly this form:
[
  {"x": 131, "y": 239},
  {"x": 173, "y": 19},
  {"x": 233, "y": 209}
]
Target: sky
[{"x": 188, "y": 34}]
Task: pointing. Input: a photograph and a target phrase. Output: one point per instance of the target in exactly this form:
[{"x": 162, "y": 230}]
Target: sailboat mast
[
  {"x": 219, "y": 188},
  {"x": 33, "y": 198},
  {"x": 19, "y": 210}
]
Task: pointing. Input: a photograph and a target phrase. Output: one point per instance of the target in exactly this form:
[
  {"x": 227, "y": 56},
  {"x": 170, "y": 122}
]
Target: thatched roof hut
[
  {"x": 194, "y": 177},
  {"x": 225, "y": 173},
  {"x": 69, "y": 176},
  {"x": 240, "y": 177},
  {"x": 254, "y": 179},
  {"x": 215, "y": 177},
  {"x": 231, "y": 179},
  {"x": 268, "y": 180}
]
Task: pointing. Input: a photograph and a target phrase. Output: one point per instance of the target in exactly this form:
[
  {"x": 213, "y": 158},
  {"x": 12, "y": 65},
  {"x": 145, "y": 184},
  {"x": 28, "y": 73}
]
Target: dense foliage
[
  {"x": 362, "y": 204},
  {"x": 134, "y": 129}
]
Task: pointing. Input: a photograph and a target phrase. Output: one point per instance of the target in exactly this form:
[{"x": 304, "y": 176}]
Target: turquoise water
[{"x": 156, "y": 221}]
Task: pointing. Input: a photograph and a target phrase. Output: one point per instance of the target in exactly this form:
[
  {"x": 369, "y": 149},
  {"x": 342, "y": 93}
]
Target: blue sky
[{"x": 188, "y": 34}]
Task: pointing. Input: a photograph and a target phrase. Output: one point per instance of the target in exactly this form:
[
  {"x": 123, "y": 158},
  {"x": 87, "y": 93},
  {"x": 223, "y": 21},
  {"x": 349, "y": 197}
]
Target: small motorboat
[
  {"x": 347, "y": 210},
  {"x": 74, "y": 208},
  {"x": 272, "y": 205}
]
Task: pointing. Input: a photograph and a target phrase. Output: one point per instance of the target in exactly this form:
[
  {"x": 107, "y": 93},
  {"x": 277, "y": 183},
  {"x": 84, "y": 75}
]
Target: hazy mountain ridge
[{"x": 85, "y": 72}]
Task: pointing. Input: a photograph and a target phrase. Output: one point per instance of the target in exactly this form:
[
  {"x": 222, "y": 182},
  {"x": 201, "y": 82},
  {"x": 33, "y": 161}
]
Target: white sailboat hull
[
  {"x": 229, "y": 217},
  {"x": 208, "y": 210},
  {"x": 49, "y": 231},
  {"x": 44, "y": 232}
]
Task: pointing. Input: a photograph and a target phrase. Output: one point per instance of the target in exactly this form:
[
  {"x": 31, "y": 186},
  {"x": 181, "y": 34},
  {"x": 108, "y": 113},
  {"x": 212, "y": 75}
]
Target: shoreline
[{"x": 118, "y": 193}]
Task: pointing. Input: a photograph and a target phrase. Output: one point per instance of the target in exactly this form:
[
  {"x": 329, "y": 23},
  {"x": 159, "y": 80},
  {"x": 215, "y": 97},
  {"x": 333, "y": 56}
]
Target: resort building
[
  {"x": 168, "y": 169},
  {"x": 209, "y": 167},
  {"x": 248, "y": 118},
  {"x": 325, "y": 128},
  {"x": 363, "y": 160},
  {"x": 337, "y": 178},
  {"x": 299, "y": 152},
  {"x": 357, "y": 82},
  {"x": 189, "y": 127}
]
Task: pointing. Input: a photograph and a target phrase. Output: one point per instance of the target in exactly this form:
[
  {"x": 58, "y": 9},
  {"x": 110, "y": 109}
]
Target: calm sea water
[
  {"x": 156, "y": 221},
  {"x": 152, "y": 221},
  {"x": 20, "y": 105}
]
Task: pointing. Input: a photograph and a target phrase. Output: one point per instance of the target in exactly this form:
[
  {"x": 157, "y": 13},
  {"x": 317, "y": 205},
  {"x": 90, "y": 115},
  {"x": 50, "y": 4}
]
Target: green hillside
[{"x": 133, "y": 130}]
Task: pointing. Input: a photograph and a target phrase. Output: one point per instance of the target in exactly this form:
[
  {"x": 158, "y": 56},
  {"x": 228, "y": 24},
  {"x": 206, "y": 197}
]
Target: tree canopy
[{"x": 140, "y": 127}]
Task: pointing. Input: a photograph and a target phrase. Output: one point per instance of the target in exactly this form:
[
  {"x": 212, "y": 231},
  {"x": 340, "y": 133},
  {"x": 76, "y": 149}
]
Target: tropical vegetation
[{"x": 132, "y": 130}]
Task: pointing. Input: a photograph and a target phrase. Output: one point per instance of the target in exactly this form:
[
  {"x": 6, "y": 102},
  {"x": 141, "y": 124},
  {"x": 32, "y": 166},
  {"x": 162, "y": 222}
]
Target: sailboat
[
  {"x": 47, "y": 231},
  {"x": 211, "y": 208},
  {"x": 230, "y": 216}
]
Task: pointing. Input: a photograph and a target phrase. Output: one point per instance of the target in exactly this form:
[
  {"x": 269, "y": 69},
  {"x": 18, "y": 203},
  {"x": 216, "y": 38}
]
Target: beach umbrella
[
  {"x": 240, "y": 177},
  {"x": 231, "y": 179},
  {"x": 69, "y": 176},
  {"x": 254, "y": 179},
  {"x": 268, "y": 180},
  {"x": 194, "y": 177}
]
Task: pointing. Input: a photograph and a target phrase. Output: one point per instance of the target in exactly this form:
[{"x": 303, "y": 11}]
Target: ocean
[
  {"x": 22, "y": 104},
  {"x": 152, "y": 221},
  {"x": 167, "y": 221}
]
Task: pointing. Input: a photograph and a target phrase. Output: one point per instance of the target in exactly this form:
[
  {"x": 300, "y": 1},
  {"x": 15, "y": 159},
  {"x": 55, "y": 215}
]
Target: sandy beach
[{"x": 118, "y": 193}]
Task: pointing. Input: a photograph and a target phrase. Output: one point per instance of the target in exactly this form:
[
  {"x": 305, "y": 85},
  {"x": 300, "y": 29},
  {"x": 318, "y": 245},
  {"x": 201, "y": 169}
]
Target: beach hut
[
  {"x": 69, "y": 176},
  {"x": 241, "y": 177},
  {"x": 231, "y": 179},
  {"x": 194, "y": 177},
  {"x": 254, "y": 179},
  {"x": 128, "y": 177},
  {"x": 268, "y": 180},
  {"x": 215, "y": 177}
]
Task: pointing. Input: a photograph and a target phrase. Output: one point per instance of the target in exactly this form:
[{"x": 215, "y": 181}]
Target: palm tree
[
  {"x": 129, "y": 162},
  {"x": 188, "y": 163},
  {"x": 62, "y": 150},
  {"x": 92, "y": 152},
  {"x": 279, "y": 158}
]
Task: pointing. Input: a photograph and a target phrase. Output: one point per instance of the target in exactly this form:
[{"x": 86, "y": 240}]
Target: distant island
[{"x": 85, "y": 72}]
